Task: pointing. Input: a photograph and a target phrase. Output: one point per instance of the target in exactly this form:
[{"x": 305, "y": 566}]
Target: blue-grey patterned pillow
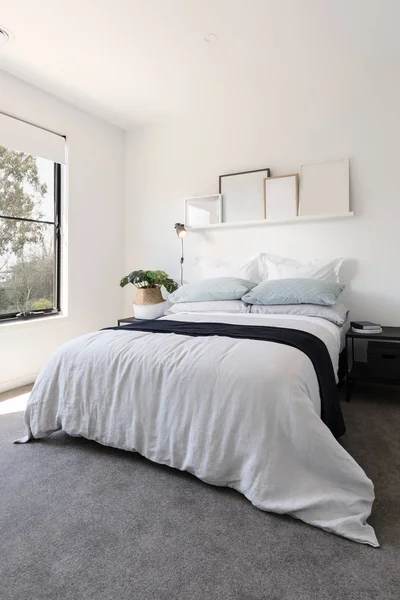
[
  {"x": 220, "y": 288},
  {"x": 295, "y": 291}
]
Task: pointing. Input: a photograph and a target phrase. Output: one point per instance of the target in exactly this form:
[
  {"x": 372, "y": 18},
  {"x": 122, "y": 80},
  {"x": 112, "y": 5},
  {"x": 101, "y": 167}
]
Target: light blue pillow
[
  {"x": 295, "y": 291},
  {"x": 220, "y": 288}
]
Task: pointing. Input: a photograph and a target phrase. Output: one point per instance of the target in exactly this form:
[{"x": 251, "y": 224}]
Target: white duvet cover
[{"x": 236, "y": 413}]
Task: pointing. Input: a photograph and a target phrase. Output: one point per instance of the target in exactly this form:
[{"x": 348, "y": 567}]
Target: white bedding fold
[{"x": 237, "y": 413}]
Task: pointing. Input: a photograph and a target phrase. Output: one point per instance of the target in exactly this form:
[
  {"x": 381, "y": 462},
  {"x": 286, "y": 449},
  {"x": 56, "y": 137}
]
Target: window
[{"x": 30, "y": 244}]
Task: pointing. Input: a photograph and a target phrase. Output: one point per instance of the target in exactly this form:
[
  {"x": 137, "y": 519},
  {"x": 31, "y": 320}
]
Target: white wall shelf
[{"x": 264, "y": 222}]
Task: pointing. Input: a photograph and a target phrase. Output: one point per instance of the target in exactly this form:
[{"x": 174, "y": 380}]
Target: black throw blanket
[{"x": 308, "y": 343}]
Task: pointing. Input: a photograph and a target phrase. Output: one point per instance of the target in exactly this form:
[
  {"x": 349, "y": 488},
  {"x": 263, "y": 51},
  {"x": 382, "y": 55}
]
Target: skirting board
[{"x": 13, "y": 384}]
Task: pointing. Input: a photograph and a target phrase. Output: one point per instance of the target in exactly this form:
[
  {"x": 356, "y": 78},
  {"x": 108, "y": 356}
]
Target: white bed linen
[
  {"x": 236, "y": 413},
  {"x": 213, "y": 306}
]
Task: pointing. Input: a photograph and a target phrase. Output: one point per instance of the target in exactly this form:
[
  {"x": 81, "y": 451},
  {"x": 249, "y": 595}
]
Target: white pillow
[
  {"x": 244, "y": 268},
  {"x": 337, "y": 313},
  {"x": 279, "y": 267},
  {"x": 229, "y": 306}
]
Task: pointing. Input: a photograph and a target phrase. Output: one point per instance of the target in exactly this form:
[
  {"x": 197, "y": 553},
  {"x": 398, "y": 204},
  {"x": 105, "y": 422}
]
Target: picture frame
[
  {"x": 325, "y": 188},
  {"x": 201, "y": 211},
  {"x": 242, "y": 195},
  {"x": 281, "y": 197}
]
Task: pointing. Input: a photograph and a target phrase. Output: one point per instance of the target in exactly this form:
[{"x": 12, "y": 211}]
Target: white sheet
[{"x": 236, "y": 413}]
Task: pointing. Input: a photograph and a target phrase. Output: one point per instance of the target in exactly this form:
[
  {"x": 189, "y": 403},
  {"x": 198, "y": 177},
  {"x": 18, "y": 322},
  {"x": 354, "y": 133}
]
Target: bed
[{"x": 241, "y": 413}]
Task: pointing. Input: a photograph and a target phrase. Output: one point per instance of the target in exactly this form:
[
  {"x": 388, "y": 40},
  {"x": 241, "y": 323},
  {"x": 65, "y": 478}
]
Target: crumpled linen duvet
[{"x": 236, "y": 413}]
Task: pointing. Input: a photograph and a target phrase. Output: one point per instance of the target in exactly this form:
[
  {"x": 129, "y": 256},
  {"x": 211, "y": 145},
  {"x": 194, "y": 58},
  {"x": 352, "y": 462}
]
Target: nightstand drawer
[{"x": 384, "y": 360}]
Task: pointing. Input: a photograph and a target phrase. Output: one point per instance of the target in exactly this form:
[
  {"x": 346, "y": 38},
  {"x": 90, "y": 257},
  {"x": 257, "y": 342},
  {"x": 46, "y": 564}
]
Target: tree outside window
[{"x": 28, "y": 233}]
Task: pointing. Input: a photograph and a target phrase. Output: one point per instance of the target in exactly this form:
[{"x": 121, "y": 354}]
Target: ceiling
[{"x": 135, "y": 61}]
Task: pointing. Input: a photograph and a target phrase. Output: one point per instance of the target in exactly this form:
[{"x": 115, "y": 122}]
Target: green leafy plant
[
  {"x": 149, "y": 279},
  {"x": 41, "y": 304}
]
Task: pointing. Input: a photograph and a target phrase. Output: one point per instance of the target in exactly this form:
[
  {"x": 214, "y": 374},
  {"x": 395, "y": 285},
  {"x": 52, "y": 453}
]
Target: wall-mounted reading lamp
[{"x": 181, "y": 232}]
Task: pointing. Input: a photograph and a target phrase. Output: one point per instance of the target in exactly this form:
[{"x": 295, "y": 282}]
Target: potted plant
[{"x": 149, "y": 303}]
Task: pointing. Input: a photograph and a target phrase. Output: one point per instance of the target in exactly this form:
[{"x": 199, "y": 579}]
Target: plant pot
[
  {"x": 146, "y": 296},
  {"x": 149, "y": 303},
  {"x": 149, "y": 311}
]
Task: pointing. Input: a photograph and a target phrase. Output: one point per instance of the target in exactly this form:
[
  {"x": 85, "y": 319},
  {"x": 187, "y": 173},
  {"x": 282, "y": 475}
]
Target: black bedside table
[
  {"x": 361, "y": 371},
  {"x": 128, "y": 320}
]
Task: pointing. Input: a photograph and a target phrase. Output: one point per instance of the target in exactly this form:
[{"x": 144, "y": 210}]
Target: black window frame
[{"x": 46, "y": 312}]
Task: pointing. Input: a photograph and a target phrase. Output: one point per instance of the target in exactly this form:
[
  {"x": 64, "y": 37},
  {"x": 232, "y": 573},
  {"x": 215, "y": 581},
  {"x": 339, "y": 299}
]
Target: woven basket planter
[
  {"x": 149, "y": 303},
  {"x": 146, "y": 296}
]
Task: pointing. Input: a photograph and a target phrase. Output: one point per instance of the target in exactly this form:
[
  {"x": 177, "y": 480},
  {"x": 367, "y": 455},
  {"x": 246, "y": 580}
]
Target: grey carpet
[{"x": 81, "y": 521}]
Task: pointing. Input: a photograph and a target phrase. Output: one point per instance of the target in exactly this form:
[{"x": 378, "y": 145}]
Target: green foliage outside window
[{"x": 26, "y": 249}]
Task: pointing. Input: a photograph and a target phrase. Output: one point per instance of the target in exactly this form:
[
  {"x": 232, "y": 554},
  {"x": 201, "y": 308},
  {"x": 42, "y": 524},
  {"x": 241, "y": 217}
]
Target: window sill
[{"x": 5, "y": 325}]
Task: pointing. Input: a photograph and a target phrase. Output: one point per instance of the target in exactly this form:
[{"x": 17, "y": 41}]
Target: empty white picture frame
[
  {"x": 243, "y": 195},
  {"x": 325, "y": 188},
  {"x": 281, "y": 197},
  {"x": 203, "y": 210}
]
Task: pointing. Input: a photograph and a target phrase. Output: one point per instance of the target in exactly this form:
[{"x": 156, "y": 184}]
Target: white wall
[
  {"x": 323, "y": 112},
  {"x": 95, "y": 182}
]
